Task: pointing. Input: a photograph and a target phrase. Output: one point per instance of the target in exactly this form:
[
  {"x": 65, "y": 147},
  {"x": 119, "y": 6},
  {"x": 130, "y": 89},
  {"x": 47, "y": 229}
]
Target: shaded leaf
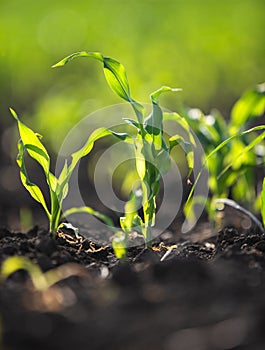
[{"x": 263, "y": 203}]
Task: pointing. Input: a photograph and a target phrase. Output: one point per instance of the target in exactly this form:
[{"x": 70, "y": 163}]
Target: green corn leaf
[
  {"x": 263, "y": 203},
  {"x": 122, "y": 136},
  {"x": 190, "y": 213},
  {"x": 162, "y": 164},
  {"x": 114, "y": 71},
  {"x": 55, "y": 210},
  {"x": 245, "y": 150},
  {"x": 189, "y": 156},
  {"x": 155, "y": 186},
  {"x": 33, "y": 145},
  {"x": 181, "y": 121},
  {"x": 119, "y": 244},
  {"x": 15, "y": 263},
  {"x": 219, "y": 147},
  {"x": 62, "y": 183},
  {"x": 210, "y": 129},
  {"x": 149, "y": 212},
  {"x": 41, "y": 281},
  {"x": 153, "y": 123},
  {"x": 115, "y": 75},
  {"x": 133, "y": 123},
  {"x": 131, "y": 211},
  {"x": 187, "y": 148},
  {"x": 63, "y": 173},
  {"x": 155, "y": 95},
  {"x": 52, "y": 181},
  {"x": 76, "y": 156},
  {"x": 140, "y": 162},
  {"x": 64, "y": 61},
  {"x": 250, "y": 105},
  {"x": 175, "y": 141},
  {"x": 88, "y": 210},
  {"x": 33, "y": 189}
]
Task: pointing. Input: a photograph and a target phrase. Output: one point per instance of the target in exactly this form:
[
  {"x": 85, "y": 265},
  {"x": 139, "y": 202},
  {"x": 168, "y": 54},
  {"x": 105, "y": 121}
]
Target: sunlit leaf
[
  {"x": 33, "y": 145},
  {"x": 181, "y": 121},
  {"x": 76, "y": 156},
  {"x": 69, "y": 58},
  {"x": 15, "y": 263},
  {"x": 88, "y": 210},
  {"x": 155, "y": 95},
  {"x": 175, "y": 141},
  {"x": 187, "y": 148},
  {"x": 133, "y": 123},
  {"x": 119, "y": 244},
  {"x": 62, "y": 183},
  {"x": 236, "y": 157},
  {"x": 250, "y": 105},
  {"x": 115, "y": 75},
  {"x": 33, "y": 189},
  {"x": 219, "y": 147},
  {"x": 131, "y": 210}
]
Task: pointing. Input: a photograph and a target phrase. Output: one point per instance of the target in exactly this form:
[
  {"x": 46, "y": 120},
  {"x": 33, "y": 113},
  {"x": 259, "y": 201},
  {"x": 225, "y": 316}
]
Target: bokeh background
[{"x": 213, "y": 50}]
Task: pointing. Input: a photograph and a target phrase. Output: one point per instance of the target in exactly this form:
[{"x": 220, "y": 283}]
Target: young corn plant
[
  {"x": 58, "y": 186},
  {"x": 232, "y": 167},
  {"x": 257, "y": 140},
  {"x": 152, "y": 152},
  {"x": 41, "y": 281}
]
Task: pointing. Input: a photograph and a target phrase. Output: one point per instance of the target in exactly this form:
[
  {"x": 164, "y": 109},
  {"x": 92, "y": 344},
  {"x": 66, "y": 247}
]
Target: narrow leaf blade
[
  {"x": 33, "y": 145},
  {"x": 117, "y": 78},
  {"x": 69, "y": 58},
  {"x": 89, "y": 210},
  {"x": 33, "y": 189}
]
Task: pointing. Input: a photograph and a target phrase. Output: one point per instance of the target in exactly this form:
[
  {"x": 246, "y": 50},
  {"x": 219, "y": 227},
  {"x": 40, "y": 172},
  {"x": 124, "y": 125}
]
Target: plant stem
[{"x": 148, "y": 236}]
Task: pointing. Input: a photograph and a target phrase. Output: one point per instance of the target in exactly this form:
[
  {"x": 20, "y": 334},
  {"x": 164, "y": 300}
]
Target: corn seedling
[
  {"x": 58, "y": 186},
  {"x": 232, "y": 168},
  {"x": 257, "y": 140},
  {"x": 152, "y": 152},
  {"x": 40, "y": 280}
]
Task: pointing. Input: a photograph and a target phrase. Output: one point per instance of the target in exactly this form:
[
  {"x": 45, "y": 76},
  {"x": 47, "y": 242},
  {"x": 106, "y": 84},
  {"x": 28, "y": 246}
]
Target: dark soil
[{"x": 204, "y": 295}]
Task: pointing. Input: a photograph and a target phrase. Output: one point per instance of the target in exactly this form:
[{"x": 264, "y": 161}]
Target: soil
[{"x": 207, "y": 294}]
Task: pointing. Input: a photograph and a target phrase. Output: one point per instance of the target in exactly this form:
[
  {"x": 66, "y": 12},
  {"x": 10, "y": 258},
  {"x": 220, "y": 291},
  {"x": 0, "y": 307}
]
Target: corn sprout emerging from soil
[
  {"x": 152, "y": 153},
  {"x": 227, "y": 148},
  {"x": 58, "y": 187},
  {"x": 40, "y": 280}
]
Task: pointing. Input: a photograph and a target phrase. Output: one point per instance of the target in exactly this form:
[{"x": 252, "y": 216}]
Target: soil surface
[{"x": 207, "y": 294}]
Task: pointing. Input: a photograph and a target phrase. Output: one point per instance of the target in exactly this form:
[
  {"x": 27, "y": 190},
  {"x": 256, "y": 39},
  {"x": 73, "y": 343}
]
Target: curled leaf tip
[
  {"x": 14, "y": 114},
  {"x": 58, "y": 64}
]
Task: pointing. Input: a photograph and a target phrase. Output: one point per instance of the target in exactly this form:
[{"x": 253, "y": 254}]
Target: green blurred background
[{"x": 213, "y": 50}]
